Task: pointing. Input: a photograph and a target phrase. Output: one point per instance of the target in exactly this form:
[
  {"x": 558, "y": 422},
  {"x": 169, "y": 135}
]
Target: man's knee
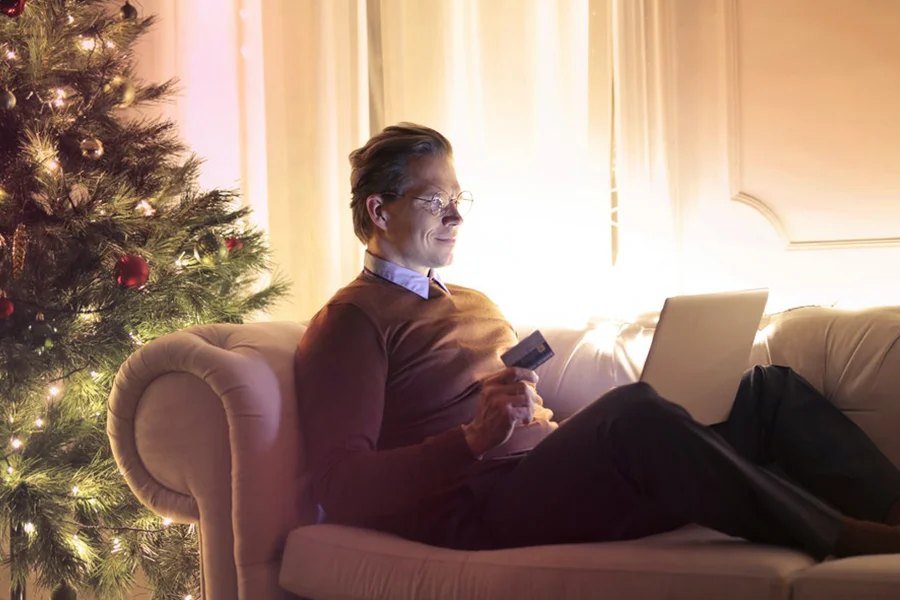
[{"x": 637, "y": 400}]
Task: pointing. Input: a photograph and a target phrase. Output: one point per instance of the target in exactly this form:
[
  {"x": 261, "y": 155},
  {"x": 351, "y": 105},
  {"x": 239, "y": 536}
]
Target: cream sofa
[{"x": 205, "y": 428}]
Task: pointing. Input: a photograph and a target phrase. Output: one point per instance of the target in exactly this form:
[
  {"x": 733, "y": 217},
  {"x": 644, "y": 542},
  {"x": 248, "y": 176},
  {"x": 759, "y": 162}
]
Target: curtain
[
  {"x": 523, "y": 90},
  {"x": 278, "y": 92},
  {"x": 646, "y": 269}
]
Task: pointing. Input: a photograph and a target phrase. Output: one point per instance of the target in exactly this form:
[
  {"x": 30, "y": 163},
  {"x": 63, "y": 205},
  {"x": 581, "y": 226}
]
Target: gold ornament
[
  {"x": 20, "y": 241},
  {"x": 7, "y": 100},
  {"x": 210, "y": 248},
  {"x": 122, "y": 91},
  {"x": 91, "y": 148}
]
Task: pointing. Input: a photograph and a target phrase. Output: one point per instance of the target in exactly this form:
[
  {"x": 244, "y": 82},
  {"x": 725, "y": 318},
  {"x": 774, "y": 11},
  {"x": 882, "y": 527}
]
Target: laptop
[{"x": 701, "y": 349}]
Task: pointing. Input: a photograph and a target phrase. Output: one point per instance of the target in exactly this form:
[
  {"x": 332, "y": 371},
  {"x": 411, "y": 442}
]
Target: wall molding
[{"x": 730, "y": 43}]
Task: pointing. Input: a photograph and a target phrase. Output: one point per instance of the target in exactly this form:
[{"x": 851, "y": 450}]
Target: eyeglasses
[{"x": 438, "y": 202}]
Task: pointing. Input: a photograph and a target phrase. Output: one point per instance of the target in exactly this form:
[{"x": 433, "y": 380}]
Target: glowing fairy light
[
  {"x": 146, "y": 208},
  {"x": 10, "y": 470},
  {"x": 28, "y": 527},
  {"x": 54, "y": 391},
  {"x": 88, "y": 44},
  {"x": 39, "y": 422},
  {"x": 11, "y": 55},
  {"x": 166, "y": 522},
  {"x": 75, "y": 490},
  {"x": 16, "y": 443}
]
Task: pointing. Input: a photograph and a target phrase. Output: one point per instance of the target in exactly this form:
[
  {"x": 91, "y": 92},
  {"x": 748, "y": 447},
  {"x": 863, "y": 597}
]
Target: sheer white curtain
[
  {"x": 647, "y": 267},
  {"x": 523, "y": 90},
  {"x": 278, "y": 92}
]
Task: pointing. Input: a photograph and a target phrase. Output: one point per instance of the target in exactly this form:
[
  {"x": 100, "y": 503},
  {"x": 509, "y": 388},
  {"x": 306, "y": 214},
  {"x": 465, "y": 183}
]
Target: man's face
[{"x": 413, "y": 236}]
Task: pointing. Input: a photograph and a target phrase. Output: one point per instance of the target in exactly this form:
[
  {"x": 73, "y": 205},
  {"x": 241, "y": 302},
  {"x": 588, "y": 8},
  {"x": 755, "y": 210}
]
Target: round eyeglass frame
[{"x": 438, "y": 202}]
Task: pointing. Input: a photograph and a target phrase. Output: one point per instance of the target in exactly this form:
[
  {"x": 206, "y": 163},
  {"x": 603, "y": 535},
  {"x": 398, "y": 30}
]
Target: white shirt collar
[{"x": 405, "y": 278}]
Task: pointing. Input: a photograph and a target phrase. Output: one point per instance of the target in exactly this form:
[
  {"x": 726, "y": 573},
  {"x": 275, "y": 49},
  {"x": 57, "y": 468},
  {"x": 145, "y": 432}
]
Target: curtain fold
[
  {"x": 283, "y": 90},
  {"x": 646, "y": 269},
  {"x": 523, "y": 91}
]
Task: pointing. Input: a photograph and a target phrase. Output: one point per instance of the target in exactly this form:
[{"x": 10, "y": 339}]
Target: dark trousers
[{"x": 782, "y": 470}]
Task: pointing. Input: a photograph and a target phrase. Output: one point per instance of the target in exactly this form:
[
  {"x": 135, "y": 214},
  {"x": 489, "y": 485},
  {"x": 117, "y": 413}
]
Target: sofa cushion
[
  {"x": 326, "y": 562},
  {"x": 864, "y": 577}
]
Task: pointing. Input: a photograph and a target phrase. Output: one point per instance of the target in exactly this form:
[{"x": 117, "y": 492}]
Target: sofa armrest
[{"x": 203, "y": 424}]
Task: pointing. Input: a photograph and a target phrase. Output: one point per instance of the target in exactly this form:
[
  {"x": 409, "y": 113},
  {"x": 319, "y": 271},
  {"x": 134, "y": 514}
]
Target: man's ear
[{"x": 375, "y": 207}]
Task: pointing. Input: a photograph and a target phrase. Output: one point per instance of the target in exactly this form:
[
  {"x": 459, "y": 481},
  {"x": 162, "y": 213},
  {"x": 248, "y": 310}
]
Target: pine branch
[{"x": 71, "y": 514}]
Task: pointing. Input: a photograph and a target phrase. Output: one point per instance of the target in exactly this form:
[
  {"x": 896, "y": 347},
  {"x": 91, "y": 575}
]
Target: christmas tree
[{"x": 106, "y": 242}]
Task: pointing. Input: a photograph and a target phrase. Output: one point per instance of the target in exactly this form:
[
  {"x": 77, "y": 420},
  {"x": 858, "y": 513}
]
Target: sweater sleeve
[{"x": 341, "y": 368}]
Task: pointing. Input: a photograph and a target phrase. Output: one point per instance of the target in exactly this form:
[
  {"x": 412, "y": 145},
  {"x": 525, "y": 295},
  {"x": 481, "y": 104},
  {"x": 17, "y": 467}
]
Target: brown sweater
[{"x": 385, "y": 379}]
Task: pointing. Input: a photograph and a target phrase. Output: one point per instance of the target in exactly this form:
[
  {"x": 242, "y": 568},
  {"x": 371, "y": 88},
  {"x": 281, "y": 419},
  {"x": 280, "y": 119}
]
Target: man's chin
[{"x": 445, "y": 261}]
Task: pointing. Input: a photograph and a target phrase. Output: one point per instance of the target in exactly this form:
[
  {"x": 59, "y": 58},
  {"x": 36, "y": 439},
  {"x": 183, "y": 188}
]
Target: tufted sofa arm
[{"x": 204, "y": 426}]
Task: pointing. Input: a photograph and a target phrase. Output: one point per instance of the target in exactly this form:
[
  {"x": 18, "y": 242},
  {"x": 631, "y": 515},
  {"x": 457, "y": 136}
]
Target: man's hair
[{"x": 381, "y": 167}]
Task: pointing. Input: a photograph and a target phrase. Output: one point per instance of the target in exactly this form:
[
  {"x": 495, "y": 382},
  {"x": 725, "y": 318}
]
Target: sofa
[{"x": 204, "y": 426}]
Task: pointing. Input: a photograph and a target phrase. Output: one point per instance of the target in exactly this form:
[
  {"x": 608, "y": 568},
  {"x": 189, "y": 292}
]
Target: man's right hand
[{"x": 507, "y": 400}]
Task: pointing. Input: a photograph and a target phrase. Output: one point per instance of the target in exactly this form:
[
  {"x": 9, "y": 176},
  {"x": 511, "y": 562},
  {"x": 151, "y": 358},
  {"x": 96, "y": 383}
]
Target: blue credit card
[{"x": 530, "y": 353}]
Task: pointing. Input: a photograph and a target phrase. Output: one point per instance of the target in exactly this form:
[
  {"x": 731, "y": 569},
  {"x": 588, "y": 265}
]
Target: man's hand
[{"x": 507, "y": 400}]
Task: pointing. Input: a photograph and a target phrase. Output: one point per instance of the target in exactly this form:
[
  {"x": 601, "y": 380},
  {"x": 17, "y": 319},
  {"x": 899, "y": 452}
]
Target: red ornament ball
[
  {"x": 132, "y": 271},
  {"x": 12, "y": 8},
  {"x": 7, "y": 308},
  {"x": 234, "y": 244}
]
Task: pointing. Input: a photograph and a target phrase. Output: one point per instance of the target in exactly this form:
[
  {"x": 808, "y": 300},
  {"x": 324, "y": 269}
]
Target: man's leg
[
  {"x": 632, "y": 464},
  {"x": 782, "y": 422}
]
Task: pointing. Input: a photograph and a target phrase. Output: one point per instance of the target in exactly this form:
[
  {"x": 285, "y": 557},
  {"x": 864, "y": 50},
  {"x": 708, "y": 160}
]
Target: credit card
[{"x": 530, "y": 353}]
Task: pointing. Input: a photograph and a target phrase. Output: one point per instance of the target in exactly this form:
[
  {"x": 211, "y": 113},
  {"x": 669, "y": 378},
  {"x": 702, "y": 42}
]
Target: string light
[
  {"x": 29, "y": 528},
  {"x": 74, "y": 490},
  {"x": 51, "y": 165},
  {"x": 88, "y": 44},
  {"x": 60, "y": 97},
  {"x": 10, "y": 470},
  {"x": 166, "y": 522},
  {"x": 54, "y": 391},
  {"x": 16, "y": 443},
  {"x": 110, "y": 44},
  {"x": 11, "y": 55},
  {"x": 136, "y": 339},
  {"x": 146, "y": 207},
  {"x": 188, "y": 597},
  {"x": 39, "y": 422},
  {"x": 95, "y": 374},
  {"x": 71, "y": 19}
]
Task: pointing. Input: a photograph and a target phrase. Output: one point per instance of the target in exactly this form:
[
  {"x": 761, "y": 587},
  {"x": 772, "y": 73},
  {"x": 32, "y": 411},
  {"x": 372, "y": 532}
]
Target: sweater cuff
[{"x": 450, "y": 449}]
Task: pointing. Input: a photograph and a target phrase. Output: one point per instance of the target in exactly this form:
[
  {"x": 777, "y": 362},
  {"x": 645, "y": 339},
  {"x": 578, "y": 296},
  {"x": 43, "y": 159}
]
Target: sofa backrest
[{"x": 851, "y": 356}]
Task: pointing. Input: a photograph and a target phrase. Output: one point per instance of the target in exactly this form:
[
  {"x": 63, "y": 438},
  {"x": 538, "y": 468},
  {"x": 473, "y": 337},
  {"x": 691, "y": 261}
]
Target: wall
[{"x": 787, "y": 154}]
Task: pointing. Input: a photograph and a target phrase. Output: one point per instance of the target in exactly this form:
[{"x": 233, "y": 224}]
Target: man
[{"x": 413, "y": 426}]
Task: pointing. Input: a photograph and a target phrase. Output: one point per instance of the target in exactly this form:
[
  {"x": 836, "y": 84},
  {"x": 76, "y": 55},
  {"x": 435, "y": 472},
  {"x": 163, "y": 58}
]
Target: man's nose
[{"x": 451, "y": 214}]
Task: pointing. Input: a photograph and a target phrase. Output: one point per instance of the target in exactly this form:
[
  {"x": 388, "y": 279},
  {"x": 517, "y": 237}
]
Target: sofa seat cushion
[
  {"x": 864, "y": 577},
  {"x": 330, "y": 562}
]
